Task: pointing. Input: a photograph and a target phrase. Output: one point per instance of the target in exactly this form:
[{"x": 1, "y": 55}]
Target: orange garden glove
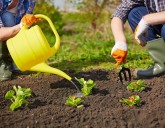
[
  {"x": 28, "y": 20},
  {"x": 119, "y": 52},
  {"x": 141, "y": 32}
]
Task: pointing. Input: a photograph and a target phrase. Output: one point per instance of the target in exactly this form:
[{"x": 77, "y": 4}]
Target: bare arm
[
  {"x": 8, "y": 32},
  {"x": 155, "y": 18},
  {"x": 117, "y": 27}
]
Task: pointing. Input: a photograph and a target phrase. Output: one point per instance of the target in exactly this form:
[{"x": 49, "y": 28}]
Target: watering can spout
[{"x": 43, "y": 67}]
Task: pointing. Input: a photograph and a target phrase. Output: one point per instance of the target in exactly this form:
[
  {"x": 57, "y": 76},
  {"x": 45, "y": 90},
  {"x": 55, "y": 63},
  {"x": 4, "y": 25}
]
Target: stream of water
[{"x": 79, "y": 93}]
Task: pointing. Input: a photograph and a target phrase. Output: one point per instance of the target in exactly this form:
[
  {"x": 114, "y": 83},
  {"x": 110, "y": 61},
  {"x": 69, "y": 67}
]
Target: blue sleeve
[{"x": 29, "y": 6}]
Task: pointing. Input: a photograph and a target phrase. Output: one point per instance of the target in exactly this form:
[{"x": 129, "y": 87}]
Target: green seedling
[
  {"x": 18, "y": 96},
  {"x": 136, "y": 86},
  {"x": 74, "y": 101},
  {"x": 131, "y": 101},
  {"x": 87, "y": 86}
]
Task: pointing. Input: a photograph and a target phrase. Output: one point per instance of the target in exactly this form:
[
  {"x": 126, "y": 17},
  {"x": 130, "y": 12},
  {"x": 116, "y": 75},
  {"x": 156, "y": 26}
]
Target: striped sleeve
[
  {"x": 1, "y": 23},
  {"x": 31, "y": 6},
  {"x": 1, "y": 10},
  {"x": 125, "y": 7}
]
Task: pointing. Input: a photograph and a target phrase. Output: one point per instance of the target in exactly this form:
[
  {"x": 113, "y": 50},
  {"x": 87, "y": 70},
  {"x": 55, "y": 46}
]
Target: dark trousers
[{"x": 134, "y": 17}]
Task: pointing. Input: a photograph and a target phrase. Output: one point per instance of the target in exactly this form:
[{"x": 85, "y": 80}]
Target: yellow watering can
[{"x": 30, "y": 49}]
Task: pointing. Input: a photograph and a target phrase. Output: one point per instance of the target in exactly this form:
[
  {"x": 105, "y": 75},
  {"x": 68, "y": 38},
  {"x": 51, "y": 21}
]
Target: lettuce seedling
[
  {"x": 136, "y": 86},
  {"x": 18, "y": 96},
  {"x": 87, "y": 86},
  {"x": 131, "y": 101},
  {"x": 74, "y": 101}
]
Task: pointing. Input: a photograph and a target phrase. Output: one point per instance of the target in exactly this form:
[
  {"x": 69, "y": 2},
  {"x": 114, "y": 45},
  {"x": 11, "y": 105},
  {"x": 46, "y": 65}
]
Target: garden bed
[{"x": 102, "y": 109}]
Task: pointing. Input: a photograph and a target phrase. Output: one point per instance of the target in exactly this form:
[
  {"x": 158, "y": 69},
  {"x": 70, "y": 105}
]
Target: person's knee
[
  {"x": 132, "y": 14},
  {"x": 135, "y": 16},
  {"x": 136, "y": 12},
  {"x": 163, "y": 32},
  {"x": 8, "y": 19}
]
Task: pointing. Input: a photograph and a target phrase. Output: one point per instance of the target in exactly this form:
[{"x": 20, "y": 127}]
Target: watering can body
[{"x": 30, "y": 49}]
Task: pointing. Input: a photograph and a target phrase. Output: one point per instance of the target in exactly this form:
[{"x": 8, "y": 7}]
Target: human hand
[
  {"x": 119, "y": 52},
  {"x": 28, "y": 20},
  {"x": 141, "y": 32}
]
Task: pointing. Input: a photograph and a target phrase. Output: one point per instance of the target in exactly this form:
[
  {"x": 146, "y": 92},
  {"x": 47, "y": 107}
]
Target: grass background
[{"x": 82, "y": 48}]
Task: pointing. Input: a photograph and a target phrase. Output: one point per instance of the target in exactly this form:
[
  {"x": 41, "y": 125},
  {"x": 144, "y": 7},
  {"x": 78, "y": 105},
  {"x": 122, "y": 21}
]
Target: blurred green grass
[{"x": 84, "y": 49}]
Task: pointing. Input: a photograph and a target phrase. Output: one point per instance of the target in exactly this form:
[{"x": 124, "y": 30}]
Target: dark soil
[{"x": 102, "y": 109}]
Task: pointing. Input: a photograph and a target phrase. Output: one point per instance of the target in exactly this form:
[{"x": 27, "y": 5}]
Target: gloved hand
[
  {"x": 119, "y": 52},
  {"x": 141, "y": 32},
  {"x": 28, "y": 20}
]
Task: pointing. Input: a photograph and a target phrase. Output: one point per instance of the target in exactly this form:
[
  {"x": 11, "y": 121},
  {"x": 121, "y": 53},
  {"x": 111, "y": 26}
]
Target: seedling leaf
[
  {"x": 136, "y": 86},
  {"x": 131, "y": 101},
  {"x": 9, "y": 95},
  {"x": 18, "y": 96},
  {"x": 73, "y": 101},
  {"x": 87, "y": 86}
]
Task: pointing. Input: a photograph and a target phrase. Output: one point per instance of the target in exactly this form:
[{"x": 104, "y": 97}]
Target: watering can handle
[{"x": 57, "y": 43}]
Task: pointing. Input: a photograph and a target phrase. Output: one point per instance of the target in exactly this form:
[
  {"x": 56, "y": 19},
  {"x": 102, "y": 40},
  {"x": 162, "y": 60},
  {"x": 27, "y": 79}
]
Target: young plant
[
  {"x": 74, "y": 101},
  {"x": 131, "y": 101},
  {"x": 87, "y": 86},
  {"x": 18, "y": 96},
  {"x": 136, "y": 86}
]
